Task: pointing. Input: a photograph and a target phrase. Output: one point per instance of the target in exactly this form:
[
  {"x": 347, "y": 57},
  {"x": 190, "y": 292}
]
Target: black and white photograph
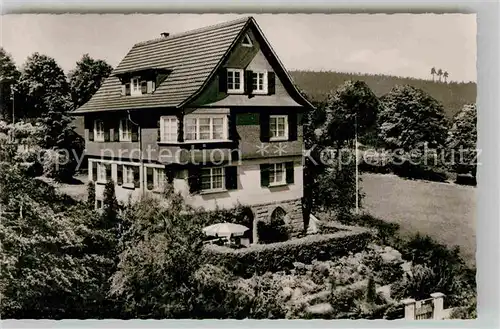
[{"x": 238, "y": 166}]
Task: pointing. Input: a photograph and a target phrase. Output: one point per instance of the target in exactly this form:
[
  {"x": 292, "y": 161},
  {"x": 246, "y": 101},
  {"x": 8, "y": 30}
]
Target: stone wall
[{"x": 294, "y": 217}]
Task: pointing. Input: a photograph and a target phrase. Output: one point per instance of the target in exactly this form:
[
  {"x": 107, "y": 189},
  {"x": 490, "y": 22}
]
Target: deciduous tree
[{"x": 9, "y": 76}]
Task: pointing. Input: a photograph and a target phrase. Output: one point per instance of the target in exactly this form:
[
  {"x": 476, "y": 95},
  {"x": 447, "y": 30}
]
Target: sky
[{"x": 407, "y": 45}]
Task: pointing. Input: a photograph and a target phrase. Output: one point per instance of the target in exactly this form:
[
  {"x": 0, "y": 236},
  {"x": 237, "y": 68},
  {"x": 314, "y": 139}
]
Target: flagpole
[{"x": 356, "y": 152}]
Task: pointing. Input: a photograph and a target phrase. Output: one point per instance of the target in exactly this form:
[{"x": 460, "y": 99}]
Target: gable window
[
  {"x": 204, "y": 128},
  {"x": 259, "y": 82},
  {"x": 136, "y": 86},
  {"x": 168, "y": 128},
  {"x": 247, "y": 42},
  {"x": 277, "y": 174},
  {"x": 235, "y": 81},
  {"x": 212, "y": 179},
  {"x": 125, "y": 130},
  {"x": 99, "y": 131},
  {"x": 278, "y": 127}
]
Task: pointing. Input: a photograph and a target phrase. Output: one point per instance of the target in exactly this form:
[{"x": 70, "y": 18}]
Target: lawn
[{"x": 443, "y": 211}]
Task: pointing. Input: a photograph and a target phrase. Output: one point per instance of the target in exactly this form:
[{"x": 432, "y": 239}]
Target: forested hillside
[{"x": 451, "y": 95}]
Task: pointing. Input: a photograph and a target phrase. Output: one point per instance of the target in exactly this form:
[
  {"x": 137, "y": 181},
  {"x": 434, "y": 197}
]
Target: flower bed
[{"x": 259, "y": 258}]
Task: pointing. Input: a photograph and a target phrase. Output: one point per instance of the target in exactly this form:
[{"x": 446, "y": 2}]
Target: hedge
[{"x": 280, "y": 256}]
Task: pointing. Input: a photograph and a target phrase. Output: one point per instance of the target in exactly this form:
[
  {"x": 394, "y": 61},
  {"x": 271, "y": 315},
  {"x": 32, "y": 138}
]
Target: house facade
[{"x": 212, "y": 111}]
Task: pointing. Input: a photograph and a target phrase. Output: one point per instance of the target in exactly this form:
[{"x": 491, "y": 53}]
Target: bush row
[{"x": 280, "y": 256}]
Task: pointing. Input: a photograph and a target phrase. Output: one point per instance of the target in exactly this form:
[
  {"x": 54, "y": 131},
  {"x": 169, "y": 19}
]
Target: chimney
[{"x": 165, "y": 34}]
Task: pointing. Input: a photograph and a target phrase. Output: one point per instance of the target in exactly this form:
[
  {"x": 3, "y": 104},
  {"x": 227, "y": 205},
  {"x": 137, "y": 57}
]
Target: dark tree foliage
[
  {"x": 91, "y": 194},
  {"x": 462, "y": 141},
  {"x": 42, "y": 87},
  {"x": 412, "y": 118},
  {"x": 87, "y": 78},
  {"x": 9, "y": 76}
]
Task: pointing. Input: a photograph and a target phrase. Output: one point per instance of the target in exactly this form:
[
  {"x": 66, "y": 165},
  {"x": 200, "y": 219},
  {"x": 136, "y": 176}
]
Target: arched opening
[{"x": 276, "y": 230}]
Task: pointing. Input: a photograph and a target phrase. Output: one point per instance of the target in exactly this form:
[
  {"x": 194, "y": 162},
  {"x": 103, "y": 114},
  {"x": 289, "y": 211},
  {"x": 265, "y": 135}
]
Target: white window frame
[
  {"x": 125, "y": 135},
  {"x": 263, "y": 86},
  {"x": 167, "y": 130},
  {"x": 273, "y": 169},
  {"x": 159, "y": 179},
  {"x": 98, "y": 133},
  {"x": 135, "y": 90},
  {"x": 101, "y": 172},
  {"x": 231, "y": 89},
  {"x": 212, "y": 188},
  {"x": 212, "y": 130},
  {"x": 247, "y": 42},
  {"x": 128, "y": 175},
  {"x": 285, "y": 132}
]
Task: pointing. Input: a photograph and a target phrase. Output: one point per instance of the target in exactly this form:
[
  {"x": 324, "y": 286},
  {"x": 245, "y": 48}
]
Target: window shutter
[
  {"x": 108, "y": 172},
  {"x": 116, "y": 131},
  {"x": 170, "y": 174},
  {"x": 231, "y": 123},
  {"x": 94, "y": 171},
  {"x": 107, "y": 131},
  {"x": 149, "y": 178},
  {"x": 194, "y": 180},
  {"x": 289, "y": 172},
  {"x": 90, "y": 128},
  {"x": 144, "y": 87},
  {"x": 135, "y": 132},
  {"x": 231, "y": 177},
  {"x": 123, "y": 90},
  {"x": 137, "y": 177},
  {"x": 271, "y": 83},
  {"x": 264, "y": 127},
  {"x": 158, "y": 131},
  {"x": 180, "y": 128},
  {"x": 119, "y": 174},
  {"x": 248, "y": 82},
  {"x": 292, "y": 127},
  {"x": 264, "y": 175},
  {"x": 223, "y": 80},
  {"x": 127, "y": 89}
]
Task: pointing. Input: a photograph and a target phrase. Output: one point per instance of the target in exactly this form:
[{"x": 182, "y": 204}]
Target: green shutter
[
  {"x": 119, "y": 174},
  {"x": 158, "y": 131},
  {"x": 127, "y": 89},
  {"x": 264, "y": 175},
  {"x": 248, "y": 82},
  {"x": 116, "y": 131},
  {"x": 223, "y": 80},
  {"x": 108, "y": 172},
  {"x": 271, "y": 83},
  {"x": 289, "y": 172},
  {"x": 264, "y": 127},
  {"x": 107, "y": 130},
  {"x": 194, "y": 180},
  {"x": 231, "y": 174},
  {"x": 137, "y": 177},
  {"x": 149, "y": 178},
  {"x": 89, "y": 123},
  {"x": 94, "y": 171},
  {"x": 135, "y": 132}
]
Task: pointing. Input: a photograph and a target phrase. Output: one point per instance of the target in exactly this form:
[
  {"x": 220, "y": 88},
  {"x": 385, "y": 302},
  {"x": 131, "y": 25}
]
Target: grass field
[{"x": 443, "y": 211}]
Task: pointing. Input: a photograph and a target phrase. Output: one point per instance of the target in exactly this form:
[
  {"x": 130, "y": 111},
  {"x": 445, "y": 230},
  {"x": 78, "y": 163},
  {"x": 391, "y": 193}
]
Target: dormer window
[
  {"x": 235, "y": 81},
  {"x": 247, "y": 42},
  {"x": 136, "y": 86}
]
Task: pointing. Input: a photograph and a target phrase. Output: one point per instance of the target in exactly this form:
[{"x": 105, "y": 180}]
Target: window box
[{"x": 235, "y": 81}]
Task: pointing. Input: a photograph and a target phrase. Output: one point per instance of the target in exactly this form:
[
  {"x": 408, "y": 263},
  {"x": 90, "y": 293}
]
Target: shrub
[
  {"x": 386, "y": 232},
  {"x": 58, "y": 165},
  {"x": 258, "y": 259}
]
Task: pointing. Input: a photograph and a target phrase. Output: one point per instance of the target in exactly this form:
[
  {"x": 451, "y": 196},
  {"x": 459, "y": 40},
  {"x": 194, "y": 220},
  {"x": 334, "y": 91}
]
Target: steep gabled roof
[{"x": 192, "y": 58}]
